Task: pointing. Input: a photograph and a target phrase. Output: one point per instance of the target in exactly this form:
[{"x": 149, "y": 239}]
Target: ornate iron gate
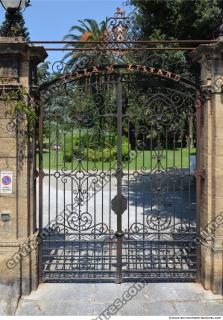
[{"x": 116, "y": 177}]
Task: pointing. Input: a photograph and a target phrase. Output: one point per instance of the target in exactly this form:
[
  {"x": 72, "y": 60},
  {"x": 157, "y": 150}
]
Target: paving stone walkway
[
  {"x": 9, "y": 297},
  {"x": 87, "y": 299}
]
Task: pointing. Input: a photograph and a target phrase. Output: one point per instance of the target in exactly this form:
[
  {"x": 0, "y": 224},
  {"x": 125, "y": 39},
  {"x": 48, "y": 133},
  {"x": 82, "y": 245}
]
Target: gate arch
[{"x": 117, "y": 190}]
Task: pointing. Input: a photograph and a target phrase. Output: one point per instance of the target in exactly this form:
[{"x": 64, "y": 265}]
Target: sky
[{"x": 52, "y": 19}]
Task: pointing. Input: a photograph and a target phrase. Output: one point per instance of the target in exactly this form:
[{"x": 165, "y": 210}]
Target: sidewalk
[
  {"x": 87, "y": 299},
  {"x": 9, "y": 298}
]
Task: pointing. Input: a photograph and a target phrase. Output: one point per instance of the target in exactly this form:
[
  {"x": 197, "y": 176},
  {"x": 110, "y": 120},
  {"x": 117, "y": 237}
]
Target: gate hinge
[{"x": 200, "y": 174}]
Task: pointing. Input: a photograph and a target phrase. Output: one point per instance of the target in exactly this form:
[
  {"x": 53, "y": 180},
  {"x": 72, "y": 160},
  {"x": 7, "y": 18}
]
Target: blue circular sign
[{"x": 6, "y": 180}]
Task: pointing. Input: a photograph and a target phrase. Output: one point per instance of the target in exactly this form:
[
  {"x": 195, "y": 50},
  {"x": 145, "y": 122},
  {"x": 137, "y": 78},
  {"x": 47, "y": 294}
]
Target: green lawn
[{"x": 147, "y": 160}]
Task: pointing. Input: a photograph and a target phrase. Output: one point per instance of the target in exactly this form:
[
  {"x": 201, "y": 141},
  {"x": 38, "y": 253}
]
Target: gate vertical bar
[
  {"x": 41, "y": 176},
  {"x": 119, "y": 175}
]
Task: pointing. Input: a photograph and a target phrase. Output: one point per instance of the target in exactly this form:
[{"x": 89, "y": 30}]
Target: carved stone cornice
[
  {"x": 210, "y": 52},
  {"x": 217, "y": 84},
  {"x": 17, "y": 46},
  {"x": 209, "y": 56}
]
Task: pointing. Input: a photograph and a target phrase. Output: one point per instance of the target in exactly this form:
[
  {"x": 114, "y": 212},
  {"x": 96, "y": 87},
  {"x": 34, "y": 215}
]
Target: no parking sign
[{"x": 6, "y": 182}]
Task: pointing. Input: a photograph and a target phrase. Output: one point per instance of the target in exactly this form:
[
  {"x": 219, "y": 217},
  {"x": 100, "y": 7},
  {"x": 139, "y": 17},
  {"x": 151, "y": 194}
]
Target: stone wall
[
  {"x": 211, "y": 164},
  {"x": 18, "y": 61}
]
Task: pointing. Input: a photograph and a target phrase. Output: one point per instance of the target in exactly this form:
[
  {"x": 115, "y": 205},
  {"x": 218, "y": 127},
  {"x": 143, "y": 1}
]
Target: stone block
[
  {"x": 9, "y": 274},
  {"x": 8, "y": 164},
  {"x": 217, "y": 280},
  {"x": 6, "y": 110},
  {"x": 206, "y": 266},
  {"x": 7, "y": 147},
  {"x": 218, "y": 204},
  {"x": 8, "y": 219},
  {"x": 7, "y": 129}
]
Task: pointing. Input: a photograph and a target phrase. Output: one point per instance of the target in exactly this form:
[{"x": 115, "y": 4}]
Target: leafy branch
[{"x": 19, "y": 106}]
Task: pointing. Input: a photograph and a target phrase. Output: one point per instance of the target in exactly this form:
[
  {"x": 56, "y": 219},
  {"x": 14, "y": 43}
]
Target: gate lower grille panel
[{"x": 97, "y": 261}]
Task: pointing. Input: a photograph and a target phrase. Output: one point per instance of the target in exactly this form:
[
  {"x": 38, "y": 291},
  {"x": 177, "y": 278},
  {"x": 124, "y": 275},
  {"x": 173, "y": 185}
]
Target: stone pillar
[
  {"x": 210, "y": 57},
  {"x": 18, "y": 65}
]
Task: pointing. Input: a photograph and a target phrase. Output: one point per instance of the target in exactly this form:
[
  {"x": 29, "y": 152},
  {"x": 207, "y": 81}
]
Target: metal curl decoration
[
  {"x": 58, "y": 66},
  {"x": 80, "y": 196},
  {"x": 159, "y": 220},
  {"x": 98, "y": 99},
  {"x": 79, "y": 221},
  {"x": 71, "y": 67},
  {"x": 101, "y": 229}
]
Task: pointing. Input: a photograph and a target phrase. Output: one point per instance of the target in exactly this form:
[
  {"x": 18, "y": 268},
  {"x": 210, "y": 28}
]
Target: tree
[
  {"x": 178, "y": 19},
  {"x": 88, "y": 30},
  {"x": 14, "y": 26}
]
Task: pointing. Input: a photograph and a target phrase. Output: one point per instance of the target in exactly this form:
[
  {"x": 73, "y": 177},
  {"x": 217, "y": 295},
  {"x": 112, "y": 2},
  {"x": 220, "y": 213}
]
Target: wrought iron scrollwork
[{"x": 134, "y": 164}]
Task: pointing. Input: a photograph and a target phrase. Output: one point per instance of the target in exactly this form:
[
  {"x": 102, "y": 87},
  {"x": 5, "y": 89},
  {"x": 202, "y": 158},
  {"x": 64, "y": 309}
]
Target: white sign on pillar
[{"x": 6, "y": 182}]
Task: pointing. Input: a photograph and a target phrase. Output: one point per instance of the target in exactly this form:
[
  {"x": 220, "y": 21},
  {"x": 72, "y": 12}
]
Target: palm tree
[{"x": 88, "y": 30}]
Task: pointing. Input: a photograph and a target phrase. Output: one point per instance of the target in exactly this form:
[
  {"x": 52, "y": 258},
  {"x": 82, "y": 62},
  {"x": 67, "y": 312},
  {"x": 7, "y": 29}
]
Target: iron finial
[{"x": 119, "y": 12}]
